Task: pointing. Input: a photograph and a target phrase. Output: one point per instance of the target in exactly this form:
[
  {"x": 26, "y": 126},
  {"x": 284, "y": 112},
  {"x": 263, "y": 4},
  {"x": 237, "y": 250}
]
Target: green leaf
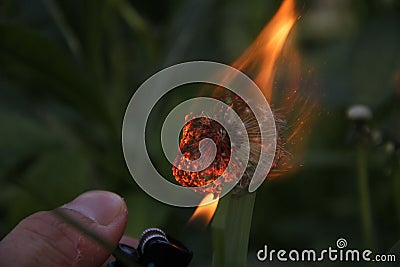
[
  {"x": 22, "y": 206},
  {"x": 22, "y": 138},
  {"x": 396, "y": 251},
  {"x": 58, "y": 176},
  {"x": 33, "y": 61},
  {"x": 68, "y": 33},
  {"x": 131, "y": 16},
  {"x": 144, "y": 212},
  {"x": 55, "y": 178}
]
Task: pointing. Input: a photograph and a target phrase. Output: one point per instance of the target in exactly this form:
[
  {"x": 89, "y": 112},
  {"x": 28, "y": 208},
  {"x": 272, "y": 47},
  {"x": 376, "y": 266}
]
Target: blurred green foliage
[{"x": 69, "y": 68}]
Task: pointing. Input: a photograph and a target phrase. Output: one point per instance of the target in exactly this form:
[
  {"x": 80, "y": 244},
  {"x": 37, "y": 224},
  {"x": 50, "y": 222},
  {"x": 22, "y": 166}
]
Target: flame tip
[{"x": 206, "y": 209}]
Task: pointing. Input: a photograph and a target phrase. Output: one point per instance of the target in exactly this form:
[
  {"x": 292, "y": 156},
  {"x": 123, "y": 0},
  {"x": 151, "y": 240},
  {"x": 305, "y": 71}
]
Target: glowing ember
[
  {"x": 194, "y": 131},
  {"x": 204, "y": 213},
  {"x": 199, "y": 128}
]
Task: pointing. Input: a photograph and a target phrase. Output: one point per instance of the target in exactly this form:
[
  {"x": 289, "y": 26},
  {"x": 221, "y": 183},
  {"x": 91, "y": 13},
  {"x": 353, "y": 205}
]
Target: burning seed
[{"x": 197, "y": 129}]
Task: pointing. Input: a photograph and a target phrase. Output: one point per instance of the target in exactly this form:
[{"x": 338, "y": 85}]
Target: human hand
[{"x": 44, "y": 239}]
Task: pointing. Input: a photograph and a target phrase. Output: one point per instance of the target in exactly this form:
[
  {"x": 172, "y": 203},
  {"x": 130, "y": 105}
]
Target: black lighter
[{"x": 155, "y": 249}]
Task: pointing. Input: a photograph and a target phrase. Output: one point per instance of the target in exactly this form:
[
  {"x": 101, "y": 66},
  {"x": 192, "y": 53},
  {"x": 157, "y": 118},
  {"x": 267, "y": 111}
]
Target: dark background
[{"x": 69, "y": 68}]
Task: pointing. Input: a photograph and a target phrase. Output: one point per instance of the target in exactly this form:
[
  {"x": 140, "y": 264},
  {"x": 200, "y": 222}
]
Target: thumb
[{"x": 44, "y": 239}]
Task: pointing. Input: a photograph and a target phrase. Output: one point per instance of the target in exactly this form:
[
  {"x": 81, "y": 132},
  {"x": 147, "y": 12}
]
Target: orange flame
[
  {"x": 259, "y": 61},
  {"x": 293, "y": 111},
  {"x": 264, "y": 51},
  {"x": 204, "y": 213}
]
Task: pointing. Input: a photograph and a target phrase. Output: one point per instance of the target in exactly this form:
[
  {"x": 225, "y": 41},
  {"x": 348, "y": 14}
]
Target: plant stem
[
  {"x": 396, "y": 188},
  {"x": 363, "y": 185},
  {"x": 231, "y": 230},
  {"x": 70, "y": 37}
]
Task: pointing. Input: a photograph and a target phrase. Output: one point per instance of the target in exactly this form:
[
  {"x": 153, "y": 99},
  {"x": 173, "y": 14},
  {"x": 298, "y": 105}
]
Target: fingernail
[{"x": 101, "y": 206}]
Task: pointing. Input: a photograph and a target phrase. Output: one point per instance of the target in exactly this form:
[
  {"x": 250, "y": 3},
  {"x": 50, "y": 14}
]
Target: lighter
[{"x": 155, "y": 249}]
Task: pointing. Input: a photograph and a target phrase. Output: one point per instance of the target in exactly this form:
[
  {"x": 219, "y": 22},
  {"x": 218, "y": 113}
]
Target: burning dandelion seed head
[
  {"x": 213, "y": 130},
  {"x": 197, "y": 129},
  {"x": 259, "y": 61},
  {"x": 242, "y": 141},
  {"x": 194, "y": 131}
]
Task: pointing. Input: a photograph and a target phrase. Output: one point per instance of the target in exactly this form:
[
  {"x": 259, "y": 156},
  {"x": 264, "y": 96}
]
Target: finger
[
  {"x": 129, "y": 241},
  {"x": 44, "y": 239}
]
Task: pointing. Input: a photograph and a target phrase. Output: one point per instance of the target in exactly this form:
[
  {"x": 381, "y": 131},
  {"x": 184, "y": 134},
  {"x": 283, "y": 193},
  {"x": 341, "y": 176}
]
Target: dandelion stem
[
  {"x": 363, "y": 185},
  {"x": 231, "y": 230},
  {"x": 396, "y": 188}
]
